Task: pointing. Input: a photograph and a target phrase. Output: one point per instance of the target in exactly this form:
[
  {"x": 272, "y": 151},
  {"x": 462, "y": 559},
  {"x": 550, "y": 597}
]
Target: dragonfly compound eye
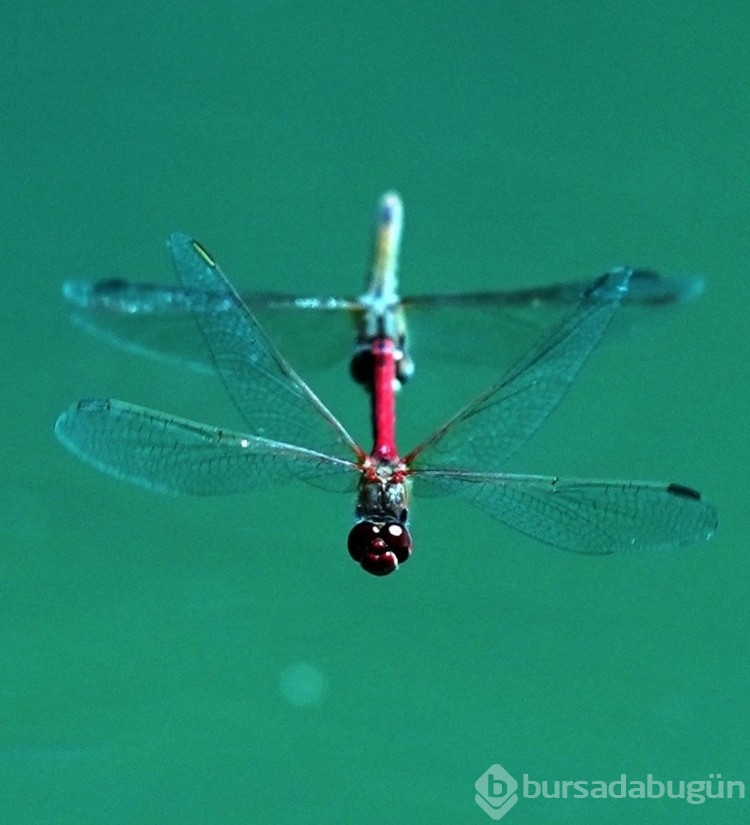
[
  {"x": 404, "y": 368},
  {"x": 379, "y": 548},
  {"x": 362, "y": 366}
]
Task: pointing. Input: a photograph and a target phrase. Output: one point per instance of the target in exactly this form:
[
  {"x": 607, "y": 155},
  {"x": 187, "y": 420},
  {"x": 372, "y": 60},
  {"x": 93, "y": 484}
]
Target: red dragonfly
[{"x": 291, "y": 434}]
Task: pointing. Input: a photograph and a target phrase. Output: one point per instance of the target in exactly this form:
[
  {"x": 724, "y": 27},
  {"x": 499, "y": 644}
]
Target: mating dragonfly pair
[{"x": 291, "y": 434}]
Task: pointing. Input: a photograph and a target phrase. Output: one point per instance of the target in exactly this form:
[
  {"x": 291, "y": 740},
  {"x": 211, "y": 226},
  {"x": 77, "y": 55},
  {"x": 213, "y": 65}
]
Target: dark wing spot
[{"x": 685, "y": 492}]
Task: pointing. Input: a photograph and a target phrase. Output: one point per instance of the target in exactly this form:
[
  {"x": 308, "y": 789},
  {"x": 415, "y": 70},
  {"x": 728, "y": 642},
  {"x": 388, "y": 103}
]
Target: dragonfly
[
  {"x": 290, "y": 434},
  {"x": 156, "y": 320}
]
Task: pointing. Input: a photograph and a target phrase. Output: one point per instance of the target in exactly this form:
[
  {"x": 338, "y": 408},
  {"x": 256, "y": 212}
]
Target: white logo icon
[{"x": 496, "y": 791}]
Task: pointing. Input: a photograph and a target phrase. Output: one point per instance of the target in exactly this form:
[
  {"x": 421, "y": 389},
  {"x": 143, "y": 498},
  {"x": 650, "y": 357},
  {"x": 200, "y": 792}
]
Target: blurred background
[{"x": 222, "y": 660}]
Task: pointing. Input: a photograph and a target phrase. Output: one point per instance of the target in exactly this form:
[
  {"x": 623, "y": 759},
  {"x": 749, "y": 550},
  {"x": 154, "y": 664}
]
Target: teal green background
[{"x": 145, "y": 642}]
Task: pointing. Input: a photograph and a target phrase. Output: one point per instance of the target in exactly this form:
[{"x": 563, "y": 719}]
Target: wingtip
[{"x": 178, "y": 239}]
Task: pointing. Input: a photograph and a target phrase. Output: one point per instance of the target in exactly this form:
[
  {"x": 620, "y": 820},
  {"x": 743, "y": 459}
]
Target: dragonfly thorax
[{"x": 383, "y": 491}]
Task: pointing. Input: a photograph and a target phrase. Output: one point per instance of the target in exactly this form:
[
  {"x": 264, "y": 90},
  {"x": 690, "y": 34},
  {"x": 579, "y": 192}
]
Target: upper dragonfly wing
[
  {"x": 646, "y": 287},
  {"x": 597, "y": 517},
  {"x": 498, "y": 422},
  {"x": 507, "y": 322},
  {"x": 271, "y": 397},
  {"x": 169, "y": 454},
  {"x": 157, "y": 320}
]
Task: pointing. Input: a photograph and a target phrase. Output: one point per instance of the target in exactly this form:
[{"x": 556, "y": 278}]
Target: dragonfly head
[
  {"x": 362, "y": 366},
  {"x": 379, "y": 546}
]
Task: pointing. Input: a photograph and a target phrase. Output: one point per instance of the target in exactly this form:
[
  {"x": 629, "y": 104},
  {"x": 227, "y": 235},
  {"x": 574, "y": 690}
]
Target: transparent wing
[
  {"x": 647, "y": 287},
  {"x": 169, "y": 454},
  {"x": 491, "y": 428},
  {"x": 156, "y": 320},
  {"x": 597, "y": 517},
  {"x": 499, "y": 326},
  {"x": 273, "y": 400}
]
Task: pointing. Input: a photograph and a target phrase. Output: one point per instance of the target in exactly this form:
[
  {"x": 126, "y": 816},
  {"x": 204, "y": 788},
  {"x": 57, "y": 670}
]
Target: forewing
[
  {"x": 596, "y": 517},
  {"x": 169, "y": 454}
]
